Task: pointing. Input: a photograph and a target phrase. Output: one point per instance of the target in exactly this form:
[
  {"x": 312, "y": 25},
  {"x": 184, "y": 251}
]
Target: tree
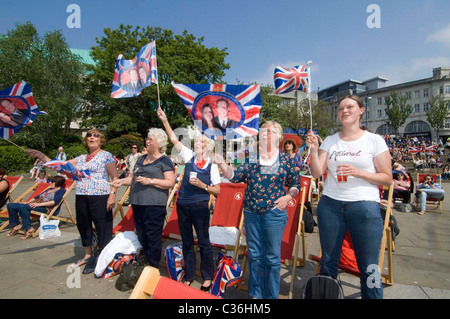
[
  {"x": 53, "y": 73},
  {"x": 180, "y": 58},
  {"x": 437, "y": 113},
  {"x": 397, "y": 110}
]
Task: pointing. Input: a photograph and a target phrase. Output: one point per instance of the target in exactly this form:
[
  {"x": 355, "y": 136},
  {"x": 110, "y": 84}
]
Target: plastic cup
[
  {"x": 342, "y": 178},
  {"x": 192, "y": 175}
]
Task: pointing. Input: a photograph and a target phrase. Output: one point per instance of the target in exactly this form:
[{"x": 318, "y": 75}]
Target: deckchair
[
  {"x": 36, "y": 189},
  {"x": 68, "y": 186},
  {"x": 127, "y": 221},
  {"x": 227, "y": 220},
  {"x": 13, "y": 181},
  {"x": 152, "y": 284},
  {"x": 171, "y": 229},
  {"x": 434, "y": 203},
  {"x": 174, "y": 190},
  {"x": 386, "y": 246},
  {"x": 293, "y": 232}
]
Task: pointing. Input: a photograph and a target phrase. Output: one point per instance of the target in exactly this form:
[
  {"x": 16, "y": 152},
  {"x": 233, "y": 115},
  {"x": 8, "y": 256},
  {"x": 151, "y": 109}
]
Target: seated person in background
[
  {"x": 401, "y": 187},
  {"x": 445, "y": 172},
  {"x": 428, "y": 189},
  {"x": 47, "y": 199},
  {"x": 4, "y": 188},
  {"x": 41, "y": 178}
]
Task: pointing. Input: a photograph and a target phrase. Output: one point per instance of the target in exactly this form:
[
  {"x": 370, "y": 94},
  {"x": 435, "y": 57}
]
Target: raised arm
[{"x": 173, "y": 138}]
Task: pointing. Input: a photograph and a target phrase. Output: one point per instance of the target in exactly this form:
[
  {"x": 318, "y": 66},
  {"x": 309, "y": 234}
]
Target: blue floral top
[
  {"x": 98, "y": 183},
  {"x": 265, "y": 184}
]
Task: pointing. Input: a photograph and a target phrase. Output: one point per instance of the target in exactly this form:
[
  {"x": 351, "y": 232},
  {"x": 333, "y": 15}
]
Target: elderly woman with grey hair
[
  {"x": 192, "y": 202},
  {"x": 152, "y": 177}
]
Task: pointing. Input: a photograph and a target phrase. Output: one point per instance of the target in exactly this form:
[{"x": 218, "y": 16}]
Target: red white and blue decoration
[
  {"x": 174, "y": 261},
  {"x": 429, "y": 150},
  {"x": 17, "y": 109},
  {"x": 228, "y": 273},
  {"x": 204, "y": 103},
  {"x": 68, "y": 169},
  {"x": 290, "y": 79},
  {"x": 131, "y": 76}
]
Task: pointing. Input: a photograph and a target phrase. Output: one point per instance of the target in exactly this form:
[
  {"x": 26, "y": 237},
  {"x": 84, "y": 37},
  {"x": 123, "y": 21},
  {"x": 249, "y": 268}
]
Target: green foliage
[
  {"x": 53, "y": 73},
  {"x": 74, "y": 151},
  {"x": 13, "y": 160},
  {"x": 437, "y": 113},
  {"x": 181, "y": 58},
  {"x": 397, "y": 110}
]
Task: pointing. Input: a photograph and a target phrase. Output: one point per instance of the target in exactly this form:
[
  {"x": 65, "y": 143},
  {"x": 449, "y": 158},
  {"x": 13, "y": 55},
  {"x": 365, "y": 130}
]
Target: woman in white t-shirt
[{"x": 353, "y": 206}]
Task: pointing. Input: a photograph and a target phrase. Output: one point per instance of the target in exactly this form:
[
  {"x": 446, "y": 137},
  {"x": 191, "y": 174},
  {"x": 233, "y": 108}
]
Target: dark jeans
[
  {"x": 149, "y": 222},
  {"x": 92, "y": 209},
  {"x": 196, "y": 215}
]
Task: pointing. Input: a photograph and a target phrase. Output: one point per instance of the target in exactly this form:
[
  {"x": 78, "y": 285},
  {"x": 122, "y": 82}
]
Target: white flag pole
[{"x": 309, "y": 63}]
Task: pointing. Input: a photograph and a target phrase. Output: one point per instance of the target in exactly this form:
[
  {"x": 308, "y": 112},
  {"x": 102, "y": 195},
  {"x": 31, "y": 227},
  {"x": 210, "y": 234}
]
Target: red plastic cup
[{"x": 342, "y": 178}]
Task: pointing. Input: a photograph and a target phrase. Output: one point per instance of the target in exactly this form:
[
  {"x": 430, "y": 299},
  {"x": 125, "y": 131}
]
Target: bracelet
[{"x": 113, "y": 193}]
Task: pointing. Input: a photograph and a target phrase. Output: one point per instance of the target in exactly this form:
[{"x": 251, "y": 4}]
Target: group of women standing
[{"x": 352, "y": 206}]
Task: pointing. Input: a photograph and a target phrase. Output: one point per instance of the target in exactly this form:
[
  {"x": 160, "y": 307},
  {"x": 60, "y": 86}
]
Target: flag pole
[
  {"x": 309, "y": 63},
  {"x": 15, "y": 144}
]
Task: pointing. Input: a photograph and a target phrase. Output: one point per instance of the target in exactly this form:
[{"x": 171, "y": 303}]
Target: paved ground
[{"x": 39, "y": 268}]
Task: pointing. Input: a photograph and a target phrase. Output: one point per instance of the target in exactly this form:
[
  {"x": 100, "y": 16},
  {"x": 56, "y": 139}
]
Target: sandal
[
  {"x": 14, "y": 231},
  {"x": 28, "y": 233},
  {"x": 80, "y": 263}
]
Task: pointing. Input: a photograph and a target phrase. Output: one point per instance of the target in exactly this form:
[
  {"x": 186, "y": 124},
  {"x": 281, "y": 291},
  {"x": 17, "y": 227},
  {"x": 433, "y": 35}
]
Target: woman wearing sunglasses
[{"x": 95, "y": 198}]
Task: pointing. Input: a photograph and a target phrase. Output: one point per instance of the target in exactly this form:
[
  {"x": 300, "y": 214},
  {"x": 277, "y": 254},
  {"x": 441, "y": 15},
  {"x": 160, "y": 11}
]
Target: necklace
[{"x": 92, "y": 155}]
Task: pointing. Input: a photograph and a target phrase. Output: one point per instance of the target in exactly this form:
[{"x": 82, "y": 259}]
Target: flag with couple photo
[
  {"x": 131, "y": 76},
  {"x": 222, "y": 111},
  {"x": 17, "y": 109}
]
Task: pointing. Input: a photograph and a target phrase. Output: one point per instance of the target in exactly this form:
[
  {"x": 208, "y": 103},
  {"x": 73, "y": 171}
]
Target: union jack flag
[
  {"x": 244, "y": 103},
  {"x": 174, "y": 261},
  {"x": 288, "y": 79},
  {"x": 68, "y": 169},
  {"x": 17, "y": 109},
  {"x": 423, "y": 149},
  {"x": 131, "y": 76},
  {"x": 228, "y": 274}
]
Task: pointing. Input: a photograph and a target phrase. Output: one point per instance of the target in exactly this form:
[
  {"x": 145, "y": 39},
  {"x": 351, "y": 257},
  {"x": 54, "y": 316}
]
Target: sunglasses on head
[{"x": 93, "y": 134}]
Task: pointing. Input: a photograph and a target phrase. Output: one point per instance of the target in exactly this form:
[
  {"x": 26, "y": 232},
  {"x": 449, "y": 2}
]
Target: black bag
[
  {"x": 130, "y": 274},
  {"x": 308, "y": 219},
  {"x": 322, "y": 287}
]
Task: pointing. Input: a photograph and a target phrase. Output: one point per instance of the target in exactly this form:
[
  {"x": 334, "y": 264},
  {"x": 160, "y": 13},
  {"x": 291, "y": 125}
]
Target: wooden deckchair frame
[{"x": 385, "y": 247}]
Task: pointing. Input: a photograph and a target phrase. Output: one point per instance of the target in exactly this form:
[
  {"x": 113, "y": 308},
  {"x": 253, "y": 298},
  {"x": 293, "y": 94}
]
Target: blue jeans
[
  {"x": 22, "y": 209},
  {"x": 362, "y": 219},
  {"x": 264, "y": 233},
  {"x": 196, "y": 215},
  {"x": 429, "y": 192}
]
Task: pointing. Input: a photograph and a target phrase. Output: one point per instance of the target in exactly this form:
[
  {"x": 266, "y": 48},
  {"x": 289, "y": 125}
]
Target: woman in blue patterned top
[
  {"x": 266, "y": 173},
  {"x": 95, "y": 198}
]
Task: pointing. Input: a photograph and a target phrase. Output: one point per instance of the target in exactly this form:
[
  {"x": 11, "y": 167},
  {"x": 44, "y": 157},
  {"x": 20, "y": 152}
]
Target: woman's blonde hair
[{"x": 278, "y": 127}]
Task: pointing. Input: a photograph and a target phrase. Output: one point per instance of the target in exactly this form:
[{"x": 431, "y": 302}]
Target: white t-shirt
[
  {"x": 360, "y": 154},
  {"x": 187, "y": 155}
]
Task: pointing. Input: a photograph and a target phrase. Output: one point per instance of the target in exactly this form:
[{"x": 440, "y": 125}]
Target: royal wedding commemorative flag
[
  {"x": 17, "y": 109},
  {"x": 222, "y": 111},
  {"x": 289, "y": 79},
  {"x": 131, "y": 76}
]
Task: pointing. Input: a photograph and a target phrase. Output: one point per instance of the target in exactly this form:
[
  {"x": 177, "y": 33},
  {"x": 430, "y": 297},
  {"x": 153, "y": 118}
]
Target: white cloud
[
  {"x": 441, "y": 36},
  {"x": 415, "y": 69}
]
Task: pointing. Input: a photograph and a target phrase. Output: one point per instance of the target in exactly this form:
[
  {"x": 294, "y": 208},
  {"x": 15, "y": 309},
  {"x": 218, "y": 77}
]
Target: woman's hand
[
  {"x": 161, "y": 115},
  {"x": 348, "y": 170},
  {"x": 196, "y": 182},
  {"x": 283, "y": 201},
  {"x": 144, "y": 180},
  {"x": 312, "y": 141}
]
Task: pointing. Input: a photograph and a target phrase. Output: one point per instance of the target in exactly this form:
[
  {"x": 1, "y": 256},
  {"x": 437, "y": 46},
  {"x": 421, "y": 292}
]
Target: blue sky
[{"x": 413, "y": 38}]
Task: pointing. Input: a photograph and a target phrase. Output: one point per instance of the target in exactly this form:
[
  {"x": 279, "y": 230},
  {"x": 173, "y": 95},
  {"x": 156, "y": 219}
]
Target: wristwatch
[
  {"x": 151, "y": 181},
  {"x": 112, "y": 192},
  {"x": 206, "y": 187}
]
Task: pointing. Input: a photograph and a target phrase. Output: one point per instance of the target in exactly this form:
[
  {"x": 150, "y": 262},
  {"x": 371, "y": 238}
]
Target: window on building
[
  {"x": 416, "y": 94},
  {"x": 447, "y": 89},
  {"x": 426, "y": 106},
  {"x": 408, "y": 95},
  {"x": 425, "y": 92},
  {"x": 416, "y": 108},
  {"x": 378, "y": 113},
  {"x": 447, "y": 123},
  {"x": 379, "y": 100}
]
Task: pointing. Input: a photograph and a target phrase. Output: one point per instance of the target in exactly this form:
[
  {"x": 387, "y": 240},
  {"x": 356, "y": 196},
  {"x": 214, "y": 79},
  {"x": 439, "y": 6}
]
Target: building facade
[{"x": 374, "y": 91}]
